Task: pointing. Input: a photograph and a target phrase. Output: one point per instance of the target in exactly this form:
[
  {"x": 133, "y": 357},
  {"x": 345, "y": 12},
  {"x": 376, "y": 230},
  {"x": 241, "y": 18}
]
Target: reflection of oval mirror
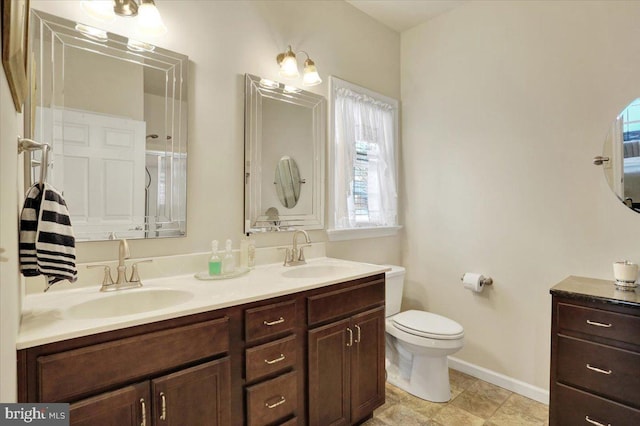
[
  {"x": 621, "y": 156},
  {"x": 288, "y": 182}
]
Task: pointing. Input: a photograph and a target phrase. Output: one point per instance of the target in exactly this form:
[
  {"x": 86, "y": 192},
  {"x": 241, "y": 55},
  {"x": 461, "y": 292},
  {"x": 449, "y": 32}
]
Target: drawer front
[
  {"x": 602, "y": 369},
  {"x": 272, "y": 400},
  {"x": 270, "y": 358},
  {"x": 344, "y": 302},
  {"x": 269, "y": 320},
  {"x": 574, "y": 407},
  {"x": 292, "y": 422},
  {"x": 597, "y": 322},
  {"x": 66, "y": 375}
]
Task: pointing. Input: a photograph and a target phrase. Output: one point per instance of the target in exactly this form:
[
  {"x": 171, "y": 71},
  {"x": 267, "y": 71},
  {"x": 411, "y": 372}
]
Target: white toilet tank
[{"x": 393, "y": 289}]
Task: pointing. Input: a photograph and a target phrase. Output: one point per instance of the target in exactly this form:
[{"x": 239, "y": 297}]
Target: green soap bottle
[{"x": 215, "y": 263}]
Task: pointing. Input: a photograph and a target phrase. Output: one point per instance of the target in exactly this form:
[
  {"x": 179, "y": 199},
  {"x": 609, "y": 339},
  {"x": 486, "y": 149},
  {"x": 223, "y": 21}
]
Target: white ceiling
[{"x": 401, "y": 15}]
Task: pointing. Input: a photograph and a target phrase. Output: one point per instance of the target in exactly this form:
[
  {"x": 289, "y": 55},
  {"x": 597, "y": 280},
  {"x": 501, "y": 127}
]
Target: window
[{"x": 363, "y": 170}]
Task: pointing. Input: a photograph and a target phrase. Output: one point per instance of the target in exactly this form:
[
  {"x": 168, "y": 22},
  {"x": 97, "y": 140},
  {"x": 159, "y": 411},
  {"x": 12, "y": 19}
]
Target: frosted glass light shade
[
  {"x": 289, "y": 66},
  {"x": 149, "y": 20},
  {"x": 311, "y": 76}
]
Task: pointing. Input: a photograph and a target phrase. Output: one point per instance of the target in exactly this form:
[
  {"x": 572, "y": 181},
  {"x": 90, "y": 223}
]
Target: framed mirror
[
  {"x": 114, "y": 111},
  {"x": 284, "y": 156}
]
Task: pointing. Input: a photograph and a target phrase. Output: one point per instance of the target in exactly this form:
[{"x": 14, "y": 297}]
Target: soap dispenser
[
  {"x": 228, "y": 262},
  {"x": 215, "y": 263}
]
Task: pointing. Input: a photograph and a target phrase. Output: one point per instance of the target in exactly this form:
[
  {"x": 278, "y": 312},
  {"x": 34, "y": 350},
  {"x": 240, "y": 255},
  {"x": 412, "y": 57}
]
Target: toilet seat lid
[{"x": 426, "y": 324}]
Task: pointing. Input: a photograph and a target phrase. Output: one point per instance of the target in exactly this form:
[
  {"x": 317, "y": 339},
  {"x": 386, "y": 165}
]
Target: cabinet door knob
[
  {"x": 594, "y": 422},
  {"x": 599, "y": 324},
  {"x": 599, "y": 370},
  {"x": 270, "y": 323},
  {"x": 143, "y": 407},
  {"x": 163, "y": 414},
  {"x": 350, "y": 337}
]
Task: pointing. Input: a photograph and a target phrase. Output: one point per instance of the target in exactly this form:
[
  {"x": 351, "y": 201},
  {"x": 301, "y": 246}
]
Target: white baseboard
[{"x": 506, "y": 382}]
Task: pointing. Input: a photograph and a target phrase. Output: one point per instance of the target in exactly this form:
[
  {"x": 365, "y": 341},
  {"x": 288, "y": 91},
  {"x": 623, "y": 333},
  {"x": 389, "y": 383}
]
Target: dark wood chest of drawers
[{"x": 595, "y": 355}]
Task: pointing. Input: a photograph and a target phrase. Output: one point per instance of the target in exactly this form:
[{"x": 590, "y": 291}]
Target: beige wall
[
  {"x": 10, "y": 126},
  {"x": 93, "y": 78},
  {"x": 505, "y": 105},
  {"x": 224, "y": 40}
]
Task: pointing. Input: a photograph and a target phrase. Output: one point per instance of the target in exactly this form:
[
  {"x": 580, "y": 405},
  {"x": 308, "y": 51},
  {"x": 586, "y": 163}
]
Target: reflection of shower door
[
  {"x": 617, "y": 157},
  {"x": 102, "y": 173}
]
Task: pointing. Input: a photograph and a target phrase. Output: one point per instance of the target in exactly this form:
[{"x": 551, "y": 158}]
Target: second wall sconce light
[{"x": 289, "y": 68}]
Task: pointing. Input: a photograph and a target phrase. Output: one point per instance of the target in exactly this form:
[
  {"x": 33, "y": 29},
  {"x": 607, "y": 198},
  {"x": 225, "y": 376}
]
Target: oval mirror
[
  {"x": 288, "y": 182},
  {"x": 621, "y": 156}
]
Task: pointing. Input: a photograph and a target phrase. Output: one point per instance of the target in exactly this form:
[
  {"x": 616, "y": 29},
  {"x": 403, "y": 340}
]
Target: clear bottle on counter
[
  {"x": 251, "y": 251},
  {"x": 244, "y": 252},
  {"x": 228, "y": 261}
]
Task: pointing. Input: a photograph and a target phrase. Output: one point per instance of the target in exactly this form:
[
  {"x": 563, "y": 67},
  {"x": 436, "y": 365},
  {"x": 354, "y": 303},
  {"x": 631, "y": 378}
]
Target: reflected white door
[{"x": 103, "y": 172}]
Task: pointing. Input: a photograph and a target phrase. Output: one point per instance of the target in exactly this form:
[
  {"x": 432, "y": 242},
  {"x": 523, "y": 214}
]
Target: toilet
[{"x": 417, "y": 345}]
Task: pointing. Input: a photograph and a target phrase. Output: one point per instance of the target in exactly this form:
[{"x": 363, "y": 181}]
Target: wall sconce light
[
  {"x": 289, "y": 68},
  {"x": 148, "y": 21}
]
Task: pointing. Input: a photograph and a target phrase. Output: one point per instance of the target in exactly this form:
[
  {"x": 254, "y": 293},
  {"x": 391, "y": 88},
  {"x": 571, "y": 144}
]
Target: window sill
[{"x": 360, "y": 233}]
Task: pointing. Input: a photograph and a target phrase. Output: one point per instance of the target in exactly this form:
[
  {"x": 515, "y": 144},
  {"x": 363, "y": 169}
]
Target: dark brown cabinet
[
  {"x": 128, "y": 406},
  {"x": 313, "y": 357},
  {"x": 346, "y": 356},
  {"x": 272, "y": 371},
  {"x": 194, "y": 396},
  {"x": 595, "y": 354}
]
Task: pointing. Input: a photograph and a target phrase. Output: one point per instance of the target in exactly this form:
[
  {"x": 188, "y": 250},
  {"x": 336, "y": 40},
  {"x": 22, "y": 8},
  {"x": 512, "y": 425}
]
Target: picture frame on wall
[{"x": 15, "y": 30}]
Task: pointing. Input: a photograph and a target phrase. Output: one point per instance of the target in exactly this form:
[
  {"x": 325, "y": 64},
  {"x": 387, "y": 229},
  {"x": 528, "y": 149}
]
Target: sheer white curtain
[{"x": 370, "y": 122}]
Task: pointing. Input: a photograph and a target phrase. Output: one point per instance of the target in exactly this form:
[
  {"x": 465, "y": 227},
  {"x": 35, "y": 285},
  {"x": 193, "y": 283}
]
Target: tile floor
[{"x": 473, "y": 403}]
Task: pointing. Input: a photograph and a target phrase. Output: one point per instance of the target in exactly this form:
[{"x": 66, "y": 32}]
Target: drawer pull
[
  {"x": 358, "y": 336},
  {"x": 270, "y": 406},
  {"x": 276, "y": 360},
  {"x": 163, "y": 414},
  {"x": 350, "y": 337},
  {"x": 593, "y": 422},
  {"x": 598, "y": 370},
  {"x": 269, "y": 324},
  {"x": 599, "y": 324},
  {"x": 144, "y": 412}
]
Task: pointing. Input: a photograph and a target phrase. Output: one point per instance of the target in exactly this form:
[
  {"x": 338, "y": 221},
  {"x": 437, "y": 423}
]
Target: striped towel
[{"x": 47, "y": 244}]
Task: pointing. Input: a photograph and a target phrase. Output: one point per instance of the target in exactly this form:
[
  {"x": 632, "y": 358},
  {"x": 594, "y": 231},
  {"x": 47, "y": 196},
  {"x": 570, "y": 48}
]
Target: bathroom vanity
[
  {"x": 595, "y": 354},
  {"x": 301, "y": 350}
]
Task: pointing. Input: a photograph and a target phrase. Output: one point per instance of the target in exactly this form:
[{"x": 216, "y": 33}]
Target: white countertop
[{"x": 46, "y": 317}]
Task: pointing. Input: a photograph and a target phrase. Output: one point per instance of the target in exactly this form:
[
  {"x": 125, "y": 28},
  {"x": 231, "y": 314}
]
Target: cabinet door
[
  {"x": 329, "y": 392},
  {"x": 200, "y": 395},
  {"x": 123, "y": 407},
  {"x": 367, "y": 363}
]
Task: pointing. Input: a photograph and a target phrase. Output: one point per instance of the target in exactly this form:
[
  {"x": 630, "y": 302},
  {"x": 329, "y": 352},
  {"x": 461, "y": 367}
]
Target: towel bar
[{"x": 31, "y": 145}]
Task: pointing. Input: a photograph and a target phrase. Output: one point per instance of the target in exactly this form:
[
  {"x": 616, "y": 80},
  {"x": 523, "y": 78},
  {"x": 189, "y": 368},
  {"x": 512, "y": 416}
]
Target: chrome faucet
[
  {"x": 295, "y": 255},
  {"x": 123, "y": 253},
  {"x": 121, "y": 281}
]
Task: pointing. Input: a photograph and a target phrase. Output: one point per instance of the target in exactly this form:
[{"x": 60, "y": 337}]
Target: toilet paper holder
[{"x": 484, "y": 281}]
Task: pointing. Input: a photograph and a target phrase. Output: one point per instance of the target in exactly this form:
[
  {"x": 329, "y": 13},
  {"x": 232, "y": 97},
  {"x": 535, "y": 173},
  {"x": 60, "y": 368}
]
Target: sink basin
[
  {"x": 311, "y": 271},
  {"x": 129, "y": 302}
]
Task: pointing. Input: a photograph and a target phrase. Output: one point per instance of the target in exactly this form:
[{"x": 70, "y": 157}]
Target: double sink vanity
[{"x": 280, "y": 345}]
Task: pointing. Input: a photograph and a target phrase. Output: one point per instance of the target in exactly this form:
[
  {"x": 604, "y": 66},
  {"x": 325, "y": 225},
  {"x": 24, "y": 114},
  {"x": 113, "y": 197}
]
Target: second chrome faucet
[{"x": 295, "y": 255}]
